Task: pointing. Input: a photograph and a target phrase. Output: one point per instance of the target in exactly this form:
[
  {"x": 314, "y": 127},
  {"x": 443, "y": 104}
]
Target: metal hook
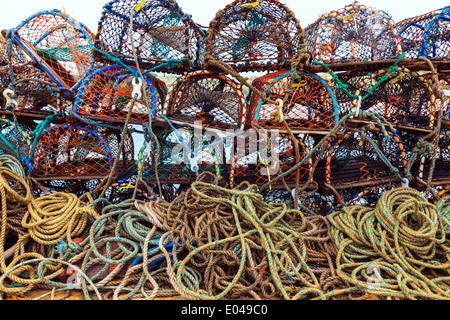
[
  {"x": 358, "y": 107},
  {"x": 137, "y": 89},
  {"x": 405, "y": 183},
  {"x": 9, "y": 96}
]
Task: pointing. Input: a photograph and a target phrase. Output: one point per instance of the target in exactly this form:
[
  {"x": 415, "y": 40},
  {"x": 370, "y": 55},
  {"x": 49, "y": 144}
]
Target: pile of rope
[{"x": 398, "y": 249}]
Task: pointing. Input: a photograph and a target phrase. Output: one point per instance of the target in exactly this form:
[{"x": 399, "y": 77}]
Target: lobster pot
[
  {"x": 426, "y": 35},
  {"x": 15, "y": 139},
  {"x": 403, "y": 98},
  {"x": 355, "y": 33},
  {"x": 254, "y": 36},
  {"x": 63, "y": 43},
  {"x": 10, "y": 51},
  {"x": 183, "y": 153},
  {"x": 207, "y": 97},
  {"x": 108, "y": 93},
  {"x": 309, "y": 101},
  {"x": 34, "y": 90},
  {"x": 162, "y": 32},
  {"x": 260, "y": 159},
  {"x": 69, "y": 151},
  {"x": 361, "y": 165}
]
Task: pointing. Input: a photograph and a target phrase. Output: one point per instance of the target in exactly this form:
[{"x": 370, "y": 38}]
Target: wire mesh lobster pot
[
  {"x": 355, "y": 33},
  {"x": 404, "y": 98},
  {"x": 69, "y": 151},
  {"x": 426, "y": 35},
  {"x": 208, "y": 97},
  {"x": 183, "y": 153},
  {"x": 15, "y": 138},
  {"x": 63, "y": 43},
  {"x": 35, "y": 92},
  {"x": 108, "y": 93},
  {"x": 254, "y": 36},
  {"x": 260, "y": 159},
  {"x": 162, "y": 33},
  {"x": 309, "y": 101},
  {"x": 362, "y": 164}
]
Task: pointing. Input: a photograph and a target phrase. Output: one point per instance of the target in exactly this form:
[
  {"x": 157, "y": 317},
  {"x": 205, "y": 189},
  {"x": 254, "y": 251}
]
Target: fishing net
[
  {"x": 15, "y": 138},
  {"x": 61, "y": 42},
  {"x": 71, "y": 151},
  {"x": 34, "y": 90},
  {"x": 355, "y": 33},
  {"x": 164, "y": 36},
  {"x": 254, "y": 36},
  {"x": 258, "y": 160},
  {"x": 309, "y": 101},
  {"x": 363, "y": 164},
  {"x": 212, "y": 98},
  {"x": 108, "y": 93},
  {"x": 403, "y": 98},
  {"x": 426, "y": 35},
  {"x": 183, "y": 153}
]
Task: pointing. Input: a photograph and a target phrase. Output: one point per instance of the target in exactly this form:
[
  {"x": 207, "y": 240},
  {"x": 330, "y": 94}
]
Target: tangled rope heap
[{"x": 244, "y": 247}]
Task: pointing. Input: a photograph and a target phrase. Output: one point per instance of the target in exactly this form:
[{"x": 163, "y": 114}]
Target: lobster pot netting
[
  {"x": 180, "y": 152},
  {"x": 260, "y": 159},
  {"x": 403, "y": 98},
  {"x": 426, "y": 35},
  {"x": 355, "y": 33},
  {"x": 162, "y": 32},
  {"x": 108, "y": 93},
  {"x": 34, "y": 90},
  {"x": 254, "y": 36},
  {"x": 13, "y": 52},
  {"x": 364, "y": 164},
  {"x": 77, "y": 187},
  {"x": 309, "y": 101},
  {"x": 15, "y": 139},
  {"x": 71, "y": 151},
  {"x": 62, "y": 42},
  {"x": 212, "y": 98}
]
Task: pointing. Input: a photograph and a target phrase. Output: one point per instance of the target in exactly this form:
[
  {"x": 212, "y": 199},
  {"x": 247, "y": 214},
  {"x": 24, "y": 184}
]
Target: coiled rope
[{"x": 399, "y": 249}]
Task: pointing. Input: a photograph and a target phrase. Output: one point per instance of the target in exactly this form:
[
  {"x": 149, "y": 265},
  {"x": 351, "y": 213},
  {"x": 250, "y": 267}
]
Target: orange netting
[
  {"x": 71, "y": 151},
  {"x": 63, "y": 43}
]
